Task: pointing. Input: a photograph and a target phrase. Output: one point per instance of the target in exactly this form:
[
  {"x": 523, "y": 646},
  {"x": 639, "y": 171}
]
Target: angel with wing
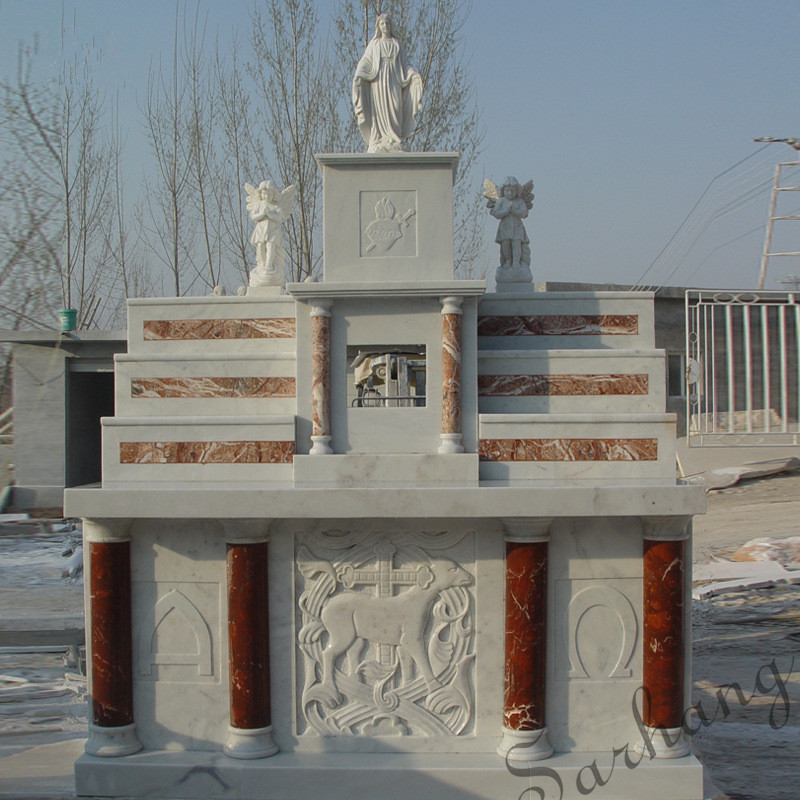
[
  {"x": 510, "y": 204},
  {"x": 269, "y": 207}
]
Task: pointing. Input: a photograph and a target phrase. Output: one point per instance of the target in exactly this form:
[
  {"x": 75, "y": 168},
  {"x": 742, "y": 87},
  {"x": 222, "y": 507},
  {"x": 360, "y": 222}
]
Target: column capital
[
  {"x": 665, "y": 529},
  {"x": 245, "y": 531},
  {"x": 451, "y": 304},
  {"x": 107, "y": 531},
  {"x": 527, "y": 529},
  {"x": 321, "y": 306}
]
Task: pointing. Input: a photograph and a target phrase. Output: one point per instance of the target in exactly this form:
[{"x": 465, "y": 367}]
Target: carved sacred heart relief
[
  {"x": 386, "y": 633},
  {"x": 387, "y": 227}
]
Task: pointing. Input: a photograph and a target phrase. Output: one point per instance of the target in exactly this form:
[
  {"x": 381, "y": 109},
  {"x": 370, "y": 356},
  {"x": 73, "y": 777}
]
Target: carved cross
[{"x": 384, "y": 577}]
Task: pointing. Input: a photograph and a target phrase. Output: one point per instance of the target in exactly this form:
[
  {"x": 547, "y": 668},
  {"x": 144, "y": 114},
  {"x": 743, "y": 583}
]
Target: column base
[
  {"x": 451, "y": 444},
  {"x": 664, "y": 743},
  {"x": 321, "y": 446},
  {"x": 108, "y": 742},
  {"x": 524, "y": 747},
  {"x": 250, "y": 742}
]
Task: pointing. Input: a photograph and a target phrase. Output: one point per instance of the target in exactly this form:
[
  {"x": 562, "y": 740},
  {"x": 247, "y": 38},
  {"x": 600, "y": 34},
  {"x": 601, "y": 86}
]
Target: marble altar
[{"x": 297, "y": 587}]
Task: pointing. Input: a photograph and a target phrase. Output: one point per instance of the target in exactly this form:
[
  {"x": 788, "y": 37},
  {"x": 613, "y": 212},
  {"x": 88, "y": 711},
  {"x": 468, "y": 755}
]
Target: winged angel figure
[
  {"x": 269, "y": 207},
  {"x": 510, "y": 204}
]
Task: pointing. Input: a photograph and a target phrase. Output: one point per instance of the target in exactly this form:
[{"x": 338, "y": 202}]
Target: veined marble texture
[
  {"x": 213, "y": 387},
  {"x": 451, "y": 373},
  {"x": 206, "y": 452},
  {"x": 568, "y": 449},
  {"x": 321, "y": 374},
  {"x": 176, "y": 329},
  {"x": 526, "y": 635},
  {"x": 561, "y": 385},
  {"x": 559, "y": 325}
]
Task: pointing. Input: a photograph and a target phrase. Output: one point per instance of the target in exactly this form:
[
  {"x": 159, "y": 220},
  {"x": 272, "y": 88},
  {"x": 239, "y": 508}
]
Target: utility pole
[{"x": 772, "y": 218}]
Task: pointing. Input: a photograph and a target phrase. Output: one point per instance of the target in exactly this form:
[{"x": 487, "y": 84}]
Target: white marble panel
[
  {"x": 180, "y": 654},
  {"x": 646, "y": 367},
  {"x": 364, "y": 469},
  {"x": 229, "y": 446},
  {"x": 594, "y": 633},
  {"x": 475, "y": 548},
  {"x": 390, "y": 776},
  {"x": 232, "y": 399},
  {"x": 641, "y": 446},
  {"x": 210, "y": 308},
  {"x": 420, "y": 183},
  {"x": 490, "y": 500},
  {"x": 571, "y": 305}
]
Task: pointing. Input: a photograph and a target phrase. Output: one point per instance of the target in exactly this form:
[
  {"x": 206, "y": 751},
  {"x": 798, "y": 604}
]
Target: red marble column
[
  {"x": 112, "y": 731},
  {"x": 663, "y": 639},
  {"x": 321, "y": 377},
  {"x": 524, "y": 730},
  {"x": 250, "y": 731},
  {"x": 451, "y": 375}
]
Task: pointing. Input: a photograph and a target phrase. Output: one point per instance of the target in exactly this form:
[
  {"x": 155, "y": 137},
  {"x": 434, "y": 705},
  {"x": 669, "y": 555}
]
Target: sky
[{"x": 634, "y": 118}]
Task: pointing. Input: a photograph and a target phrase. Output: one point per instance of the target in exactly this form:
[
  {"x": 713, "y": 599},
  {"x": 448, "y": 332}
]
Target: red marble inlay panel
[
  {"x": 110, "y": 613},
  {"x": 206, "y": 452},
  {"x": 663, "y": 633},
  {"x": 526, "y": 635},
  {"x": 451, "y": 373},
  {"x": 568, "y": 449},
  {"x": 560, "y": 325},
  {"x": 248, "y": 634},
  {"x": 213, "y": 387},
  {"x": 560, "y": 385},
  {"x": 182, "y": 329}
]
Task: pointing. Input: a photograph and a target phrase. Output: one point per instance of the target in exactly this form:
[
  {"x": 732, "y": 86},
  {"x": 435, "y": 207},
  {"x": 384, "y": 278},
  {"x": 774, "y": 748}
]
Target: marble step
[
  {"x": 204, "y": 449},
  {"x": 205, "y": 384},
  {"x": 571, "y": 381},
  {"x": 212, "y": 325},
  {"x": 618, "y": 448},
  {"x": 529, "y": 320}
]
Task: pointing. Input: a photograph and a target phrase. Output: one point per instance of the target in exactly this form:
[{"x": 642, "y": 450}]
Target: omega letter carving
[{"x": 386, "y": 634}]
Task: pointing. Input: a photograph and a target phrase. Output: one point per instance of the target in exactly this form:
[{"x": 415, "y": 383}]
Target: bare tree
[
  {"x": 237, "y": 161},
  {"x": 166, "y": 113},
  {"x": 56, "y": 139},
  {"x": 299, "y": 112}
]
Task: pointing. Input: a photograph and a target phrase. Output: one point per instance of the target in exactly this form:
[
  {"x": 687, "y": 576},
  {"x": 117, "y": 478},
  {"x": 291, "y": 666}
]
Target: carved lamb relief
[{"x": 386, "y": 633}]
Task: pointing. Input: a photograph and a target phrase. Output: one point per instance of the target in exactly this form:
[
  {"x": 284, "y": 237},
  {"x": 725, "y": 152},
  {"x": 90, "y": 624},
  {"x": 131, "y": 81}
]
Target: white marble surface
[
  {"x": 582, "y": 426},
  {"x": 116, "y": 430},
  {"x": 394, "y": 776},
  {"x": 362, "y": 469},
  {"x": 195, "y": 308},
  {"x": 575, "y": 363},
  {"x": 532, "y": 303},
  {"x": 283, "y": 501},
  {"x": 419, "y": 187},
  {"x": 239, "y": 365}
]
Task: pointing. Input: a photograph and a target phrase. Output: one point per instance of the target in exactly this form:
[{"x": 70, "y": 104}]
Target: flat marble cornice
[
  {"x": 488, "y": 500},
  {"x": 303, "y": 291}
]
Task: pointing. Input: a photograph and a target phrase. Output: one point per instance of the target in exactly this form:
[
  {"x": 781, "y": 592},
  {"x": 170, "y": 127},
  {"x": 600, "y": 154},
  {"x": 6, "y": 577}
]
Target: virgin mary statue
[{"x": 387, "y": 92}]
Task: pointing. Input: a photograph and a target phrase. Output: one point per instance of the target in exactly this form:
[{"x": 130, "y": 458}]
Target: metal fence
[{"x": 743, "y": 381}]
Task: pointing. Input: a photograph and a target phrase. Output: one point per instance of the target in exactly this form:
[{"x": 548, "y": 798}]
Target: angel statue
[
  {"x": 510, "y": 204},
  {"x": 269, "y": 208},
  {"x": 387, "y": 92}
]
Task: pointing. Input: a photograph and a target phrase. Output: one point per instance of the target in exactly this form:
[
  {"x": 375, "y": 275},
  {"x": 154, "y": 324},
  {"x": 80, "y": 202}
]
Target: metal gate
[{"x": 743, "y": 381}]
